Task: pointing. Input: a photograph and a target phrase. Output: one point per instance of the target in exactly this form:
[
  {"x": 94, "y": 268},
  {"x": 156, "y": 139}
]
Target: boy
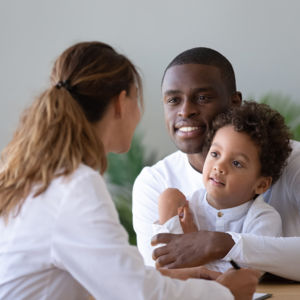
[{"x": 248, "y": 148}]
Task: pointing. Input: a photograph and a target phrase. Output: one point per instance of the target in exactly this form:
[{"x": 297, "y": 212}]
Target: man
[{"x": 197, "y": 85}]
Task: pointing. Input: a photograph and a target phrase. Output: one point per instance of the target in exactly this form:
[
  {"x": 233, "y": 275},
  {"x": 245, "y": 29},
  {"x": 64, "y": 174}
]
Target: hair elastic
[{"x": 65, "y": 84}]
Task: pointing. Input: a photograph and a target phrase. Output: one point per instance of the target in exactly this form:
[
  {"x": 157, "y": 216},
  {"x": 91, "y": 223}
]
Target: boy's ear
[
  {"x": 263, "y": 184},
  {"x": 118, "y": 104}
]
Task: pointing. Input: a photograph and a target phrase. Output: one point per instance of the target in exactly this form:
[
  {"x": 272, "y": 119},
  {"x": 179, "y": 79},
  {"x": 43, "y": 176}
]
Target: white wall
[{"x": 260, "y": 37}]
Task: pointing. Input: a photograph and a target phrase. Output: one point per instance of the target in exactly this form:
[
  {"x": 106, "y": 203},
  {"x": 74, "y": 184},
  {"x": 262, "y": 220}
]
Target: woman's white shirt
[{"x": 68, "y": 241}]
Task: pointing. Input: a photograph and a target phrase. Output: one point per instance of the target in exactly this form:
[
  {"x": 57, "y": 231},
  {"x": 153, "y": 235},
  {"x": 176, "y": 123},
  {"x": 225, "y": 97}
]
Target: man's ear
[
  {"x": 118, "y": 104},
  {"x": 236, "y": 99},
  {"x": 263, "y": 184}
]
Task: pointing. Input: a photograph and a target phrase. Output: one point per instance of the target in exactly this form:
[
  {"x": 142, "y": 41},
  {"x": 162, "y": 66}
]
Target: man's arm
[
  {"x": 190, "y": 249},
  {"x": 146, "y": 190},
  {"x": 276, "y": 255}
]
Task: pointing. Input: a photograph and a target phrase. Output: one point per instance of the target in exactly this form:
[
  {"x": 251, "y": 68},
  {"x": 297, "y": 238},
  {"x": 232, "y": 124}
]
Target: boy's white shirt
[{"x": 254, "y": 217}]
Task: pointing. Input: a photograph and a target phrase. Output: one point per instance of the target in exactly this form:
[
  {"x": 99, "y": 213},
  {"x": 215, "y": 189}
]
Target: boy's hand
[{"x": 186, "y": 219}]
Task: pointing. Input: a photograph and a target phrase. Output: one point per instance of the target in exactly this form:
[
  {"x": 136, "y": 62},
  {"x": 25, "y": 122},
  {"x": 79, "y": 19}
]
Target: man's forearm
[
  {"x": 279, "y": 256},
  {"x": 191, "y": 249}
]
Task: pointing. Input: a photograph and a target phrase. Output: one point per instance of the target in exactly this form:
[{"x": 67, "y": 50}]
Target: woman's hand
[
  {"x": 195, "y": 272},
  {"x": 242, "y": 283}
]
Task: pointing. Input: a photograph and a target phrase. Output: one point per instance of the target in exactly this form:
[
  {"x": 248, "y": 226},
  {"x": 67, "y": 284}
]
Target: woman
[{"x": 60, "y": 237}]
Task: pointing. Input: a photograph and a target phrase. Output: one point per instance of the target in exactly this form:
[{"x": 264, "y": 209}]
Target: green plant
[
  {"x": 288, "y": 109},
  {"x": 121, "y": 172}
]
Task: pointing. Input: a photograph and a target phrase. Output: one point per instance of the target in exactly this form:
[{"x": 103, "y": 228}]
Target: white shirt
[
  {"x": 280, "y": 256},
  {"x": 68, "y": 241},
  {"x": 255, "y": 217}
]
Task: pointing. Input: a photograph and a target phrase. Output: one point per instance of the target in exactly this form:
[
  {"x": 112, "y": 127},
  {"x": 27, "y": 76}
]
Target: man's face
[{"x": 193, "y": 95}]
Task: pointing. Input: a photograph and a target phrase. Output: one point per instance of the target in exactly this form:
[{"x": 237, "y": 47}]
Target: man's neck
[{"x": 197, "y": 161}]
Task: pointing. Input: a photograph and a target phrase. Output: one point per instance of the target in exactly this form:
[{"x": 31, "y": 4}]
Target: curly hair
[{"x": 266, "y": 128}]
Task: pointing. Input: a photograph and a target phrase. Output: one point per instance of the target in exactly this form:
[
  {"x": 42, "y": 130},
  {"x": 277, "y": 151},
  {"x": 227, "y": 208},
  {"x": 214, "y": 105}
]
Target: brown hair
[
  {"x": 266, "y": 128},
  {"x": 55, "y": 133}
]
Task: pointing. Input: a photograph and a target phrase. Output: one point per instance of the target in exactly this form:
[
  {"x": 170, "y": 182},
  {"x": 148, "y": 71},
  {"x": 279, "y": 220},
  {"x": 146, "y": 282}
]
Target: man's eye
[
  {"x": 237, "y": 164},
  {"x": 202, "y": 98},
  {"x": 173, "y": 100}
]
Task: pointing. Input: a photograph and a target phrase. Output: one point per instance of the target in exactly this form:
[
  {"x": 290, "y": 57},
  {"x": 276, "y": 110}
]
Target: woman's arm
[{"x": 90, "y": 244}]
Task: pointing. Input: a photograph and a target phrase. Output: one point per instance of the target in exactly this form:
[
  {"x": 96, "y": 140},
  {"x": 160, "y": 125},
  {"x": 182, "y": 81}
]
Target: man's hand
[
  {"x": 242, "y": 283},
  {"x": 190, "y": 249}
]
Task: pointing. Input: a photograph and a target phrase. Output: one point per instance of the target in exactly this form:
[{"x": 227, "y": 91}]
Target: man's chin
[{"x": 189, "y": 148}]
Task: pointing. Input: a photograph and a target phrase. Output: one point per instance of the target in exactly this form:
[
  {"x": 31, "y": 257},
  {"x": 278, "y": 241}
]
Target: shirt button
[{"x": 220, "y": 214}]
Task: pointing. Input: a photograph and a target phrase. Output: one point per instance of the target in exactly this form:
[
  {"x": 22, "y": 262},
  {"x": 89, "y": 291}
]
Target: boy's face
[
  {"x": 193, "y": 94},
  {"x": 231, "y": 172}
]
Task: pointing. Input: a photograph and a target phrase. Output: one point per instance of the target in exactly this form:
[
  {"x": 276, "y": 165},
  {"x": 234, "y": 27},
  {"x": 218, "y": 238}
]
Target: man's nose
[{"x": 187, "y": 109}]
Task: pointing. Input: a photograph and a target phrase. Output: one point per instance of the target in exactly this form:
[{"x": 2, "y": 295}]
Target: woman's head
[
  {"x": 65, "y": 125},
  {"x": 94, "y": 74}
]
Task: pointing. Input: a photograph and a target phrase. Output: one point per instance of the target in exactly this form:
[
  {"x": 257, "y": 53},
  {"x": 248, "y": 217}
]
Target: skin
[
  {"x": 231, "y": 176},
  {"x": 193, "y": 94},
  {"x": 119, "y": 121},
  {"x": 172, "y": 203},
  {"x": 241, "y": 282},
  {"x": 231, "y": 172}
]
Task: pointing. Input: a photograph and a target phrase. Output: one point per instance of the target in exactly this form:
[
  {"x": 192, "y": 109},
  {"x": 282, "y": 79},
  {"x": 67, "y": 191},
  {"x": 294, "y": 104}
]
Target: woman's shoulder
[{"x": 82, "y": 172}]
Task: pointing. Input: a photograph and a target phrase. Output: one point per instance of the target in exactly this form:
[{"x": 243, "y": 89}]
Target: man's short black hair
[{"x": 207, "y": 56}]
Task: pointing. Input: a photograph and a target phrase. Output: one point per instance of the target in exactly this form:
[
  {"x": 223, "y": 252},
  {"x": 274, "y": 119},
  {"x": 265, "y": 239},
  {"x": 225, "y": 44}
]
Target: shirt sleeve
[
  {"x": 146, "y": 190},
  {"x": 90, "y": 244},
  {"x": 277, "y": 255},
  {"x": 262, "y": 219},
  {"x": 171, "y": 226},
  {"x": 292, "y": 177}
]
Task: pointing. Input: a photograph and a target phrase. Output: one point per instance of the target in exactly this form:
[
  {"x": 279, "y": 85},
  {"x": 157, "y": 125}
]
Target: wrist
[{"x": 221, "y": 243}]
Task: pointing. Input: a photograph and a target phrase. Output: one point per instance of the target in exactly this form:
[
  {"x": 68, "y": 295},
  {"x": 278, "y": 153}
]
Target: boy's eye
[
  {"x": 237, "y": 164},
  {"x": 214, "y": 154}
]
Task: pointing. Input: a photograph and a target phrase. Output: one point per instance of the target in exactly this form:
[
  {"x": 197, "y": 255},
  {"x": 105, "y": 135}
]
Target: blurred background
[{"x": 260, "y": 38}]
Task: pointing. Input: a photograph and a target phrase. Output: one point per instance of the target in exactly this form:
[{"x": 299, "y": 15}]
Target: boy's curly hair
[{"x": 267, "y": 129}]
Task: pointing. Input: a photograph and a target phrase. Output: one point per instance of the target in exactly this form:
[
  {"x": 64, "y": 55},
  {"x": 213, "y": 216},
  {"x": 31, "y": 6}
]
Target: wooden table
[{"x": 281, "y": 289}]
